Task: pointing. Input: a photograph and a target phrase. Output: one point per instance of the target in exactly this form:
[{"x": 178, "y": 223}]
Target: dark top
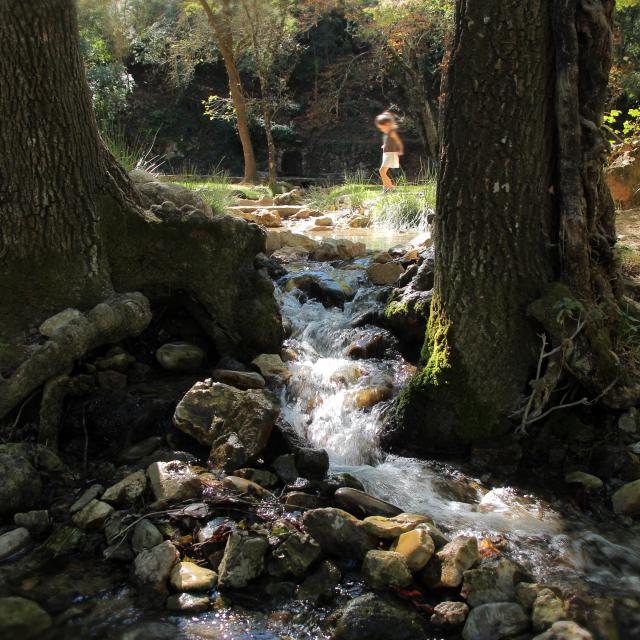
[{"x": 390, "y": 145}]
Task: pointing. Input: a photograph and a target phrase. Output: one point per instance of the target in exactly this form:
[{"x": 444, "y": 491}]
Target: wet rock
[
  {"x": 119, "y": 552},
  {"x": 338, "y": 532},
  {"x": 173, "y": 481},
  {"x": 116, "y": 527},
  {"x": 626, "y": 500},
  {"x": 289, "y": 254},
  {"x": 14, "y": 541},
  {"x": 449, "y": 614},
  {"x": 181, "y": 356},
  {"x": 565, "y": 630},
  {"x": 93, "y": 492},
  {"x": 497, "y": 621},
  {"x": 111, "y": 380},
  {"x": 370, "y": 396},
  {"x": 210, "y": 410},
  {"x": 117, "y": 359},
  {"x": 285, "y": 467},
  {"x": 384, "y": 273},
  {"x": 60, "y": 320},
  {"x": 338, "y": 249},
  {"x": 242, "y": 485},
  {"x": 261, "y": 476},
  {"x": 629, "y": 422},
  {"x": 126, "y": 492},
  {"x": 391, "y": 528},
  {"x": 188, "y": 576},
  {"x": 447, "y": 567},
  {"x": 439, "y": 539},
  {"x": 21, "y": 486},
  {"x": 239, "y": 379},
  {"x": 526, "y": 594},
  {"x": 140, "y": 450},
  {"x": 188, "y": 603},
  {"x": 384, "y": 569},
  {"x": 243, "y": 560},
  {"x": 272, "y": 368},
  {"x": 290, "y": 198},
  {"x": 320, "y": 286},
  {"x": 321, "y": 584},
  {"x": 93, "y": 516},
  {"x": 502, "y": 453},
  {"x": 337, "y": 481},
  {"x": 493, "y": 581},
  {"x": 406, "y": 315},
  {"x": 277, "y": 239},
  {"x": 312, "y": 463},
  {"x": 151, "y": 570},
  {"x": 300, "y": 501},
  {"x": 22, "y": 618},
  {"x": 373, "y": 617},
  {"x": 590, "y": 482},
  {"x": 227, "y": 453},
  {"x": 324, "y": 221},
  {"x": 361, "y": 504},
  {"x": 36, "y": 522},
  {"x": 416, "y": 547},
  {"x": 616, "y": 461},
  {"x": 145, "y": 536},
  {"x": 372, "y": 345},
  {"x": 294, "y": 556},
  {"x": 64, "y": 541},
  {"x": 547, "y": 609}
]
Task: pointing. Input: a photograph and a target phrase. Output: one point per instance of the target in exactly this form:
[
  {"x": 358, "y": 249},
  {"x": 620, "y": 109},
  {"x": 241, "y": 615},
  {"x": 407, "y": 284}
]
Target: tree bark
[
  {"x": 523, "y": 221},
  {"x": 224, "y": 42}
]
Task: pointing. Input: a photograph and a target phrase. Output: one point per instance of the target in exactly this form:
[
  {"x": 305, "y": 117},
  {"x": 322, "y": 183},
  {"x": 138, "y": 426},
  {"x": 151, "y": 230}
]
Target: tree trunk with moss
[
  {"x": 524, "y": 230},
  {"x": 76, "y": 232}
]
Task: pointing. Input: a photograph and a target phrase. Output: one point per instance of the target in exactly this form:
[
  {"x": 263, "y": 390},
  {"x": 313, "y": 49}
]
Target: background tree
[{"x": 524, "y": 230}]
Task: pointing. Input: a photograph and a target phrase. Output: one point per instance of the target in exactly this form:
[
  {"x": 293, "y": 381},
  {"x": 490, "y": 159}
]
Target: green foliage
[
  {"x": 132, "y": 154},
  {"x": 625, "y": 124}
]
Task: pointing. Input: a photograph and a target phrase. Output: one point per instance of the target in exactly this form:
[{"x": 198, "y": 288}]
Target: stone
[
  {"x": 321, "y": 584},
  {"x": 239, "y": 379},
  {"x": 188, "y": 603},
  {"x": 119, "y": 552},
  {"x": 93, "y": 492},
  {"x": 118, "y": 361},
  {"x": 565, "y": 630},
  {"x": 374, "y": 617},
  {"x": 338, "y": 532},
  {"x": 385, "y": 569},
  {"x": 21, "y": 486},
  {"x": 590, "y": 482},
  {"x": 14, "y": 541},
  {"x": 285, "y": 468},
  {"x": 248, "y": 487},
  {"x": 61, "y": 320},
  {"x": 150, "y": 631},
  {"x": 181, "y": 356},
  {"x": 151, "y": 570},
  {"x": 210, "y": 410},
  {"x": 116, "y": 527},
  {"x": 370, "y": 396},
  {"x": 294, "y": 556},
  {"x": 173, "y": 481},
  {"x": 126, "y": 492},
  {"x": 111, "y": 380},
  {"x": 227, "y": 453},
  {"x": 626, "y": 500},
  {"x": 371, "y": 345},
  {"x": 272, "y": 368},
  {"x": 526, "y": 594},
  {"x": 36, "y": 522},
  {"x": 140, "y": 450},
  {"x": 188, "y": 576},
  {"x": 496, "y": 621},
  {"x": 156, "y": 191},
  {"x": 312, "y": 463},
  {"x": 629, "y": 421},
  {"x": 326, "y": 288},
  {"x": 439, "y": 539},
  {"x": 243, "y": 560},
  {"x": 362, "y": 504},
  {"x": 145, "y": 536},
  {"x": 447, "y": 567},
  {"x": 93, "y": 515},
  {"x": 301, "y": 501},
  {"x": 547, "y": 609},
  {"x": 22, "y": 618},
  {"x": 416, "y": 547},
  {"x": 391, "y": 528},
  {"x": 493, "y": 581},
  {"x": 336, "y": 481},
  {"x": 623, "y": 177},
  {"x": 324, "y": 221},
  {"x": 64, "y": 541},
  {"x": 449, "y": 614},
  {"x": 384, "y": 273},
  {"x": 293, "y": 197},
  {"x": 263, "y": 477}
]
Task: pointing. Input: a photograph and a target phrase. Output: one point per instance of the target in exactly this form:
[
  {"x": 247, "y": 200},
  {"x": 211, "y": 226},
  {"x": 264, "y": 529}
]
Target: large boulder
[
  {"x": 21, "y": 486},
  {"x": 320, "y": 286},
  {"x": 210, "y": 410},
  {"x": 623, "y": 177},
  {"x": 372, "y": 617},
  {"x": 626, "y": 500}
]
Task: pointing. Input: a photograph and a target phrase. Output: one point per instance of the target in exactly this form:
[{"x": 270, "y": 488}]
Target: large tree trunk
[
  {"x": 524, "y": 223},
  {"x": 73, "y": 231}
]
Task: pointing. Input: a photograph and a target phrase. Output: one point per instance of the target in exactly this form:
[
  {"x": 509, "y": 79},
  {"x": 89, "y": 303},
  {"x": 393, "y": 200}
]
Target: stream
[{"x": 327, "y": 400}]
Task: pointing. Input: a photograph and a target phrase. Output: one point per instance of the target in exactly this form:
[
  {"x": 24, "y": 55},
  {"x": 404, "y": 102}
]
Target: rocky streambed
[{"x": 204, "y": 497}]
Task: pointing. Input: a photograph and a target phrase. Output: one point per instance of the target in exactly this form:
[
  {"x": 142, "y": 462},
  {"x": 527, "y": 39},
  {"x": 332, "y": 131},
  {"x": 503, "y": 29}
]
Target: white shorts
[{"x": 391, "y": 160}]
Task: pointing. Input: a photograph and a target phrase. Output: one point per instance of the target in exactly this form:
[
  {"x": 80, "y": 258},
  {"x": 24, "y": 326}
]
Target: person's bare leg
[{"x": 386, "y": 181}]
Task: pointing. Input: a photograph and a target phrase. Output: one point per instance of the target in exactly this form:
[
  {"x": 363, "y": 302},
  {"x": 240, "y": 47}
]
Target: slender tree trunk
[
  {"x": 524, "y": 223},
  {"x": 224, "y": 41},
  {"x": 271, "y": 147}
]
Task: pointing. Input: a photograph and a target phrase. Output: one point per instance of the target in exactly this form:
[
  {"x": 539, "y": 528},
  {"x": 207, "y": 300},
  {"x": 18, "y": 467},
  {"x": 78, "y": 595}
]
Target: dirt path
[{"x": 628, "y": 226}]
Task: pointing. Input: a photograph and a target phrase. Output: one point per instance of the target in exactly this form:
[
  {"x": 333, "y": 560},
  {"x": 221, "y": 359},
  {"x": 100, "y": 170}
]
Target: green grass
[
  {"x": 132, "y": 154},
  {"x": 629, "y": 260}
]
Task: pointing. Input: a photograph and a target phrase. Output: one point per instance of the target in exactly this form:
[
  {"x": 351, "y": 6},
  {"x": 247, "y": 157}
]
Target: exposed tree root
[{"x": 109, "y": 322}]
